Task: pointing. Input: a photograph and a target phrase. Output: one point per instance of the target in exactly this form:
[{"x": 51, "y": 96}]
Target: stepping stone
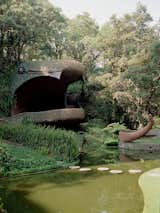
[
  {"x": 116, "y": 171},
  {"x": 85, "y": 169},
  {"x": 102, "y": 169},
  {"x": 74, "y": 167},
  {"x": 134, "y": 171}
]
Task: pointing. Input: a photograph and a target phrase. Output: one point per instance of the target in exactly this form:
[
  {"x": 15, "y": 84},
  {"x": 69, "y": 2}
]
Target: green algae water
[{"x": 76, "y": 192}]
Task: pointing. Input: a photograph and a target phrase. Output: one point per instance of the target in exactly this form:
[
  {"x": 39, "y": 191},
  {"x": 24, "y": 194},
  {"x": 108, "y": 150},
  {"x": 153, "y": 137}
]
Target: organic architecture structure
[
  {"x": 133, "y": 135},
  {"x": 39, "y": 90}
]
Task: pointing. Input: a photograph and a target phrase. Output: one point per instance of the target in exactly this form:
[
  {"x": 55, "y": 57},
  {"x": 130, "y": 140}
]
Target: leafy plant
[
  {"x": 2, "y": 210},
  {"x": 101, "y": 144},
  {"x": 61, "y": 144},
  {"x": 75, "y": 87},
  {"x": 5, "y": 160},
  {"x": 5, "y": 91},
  {"x": 28, "y": 160},
  {"x": 156, "y": 122}
]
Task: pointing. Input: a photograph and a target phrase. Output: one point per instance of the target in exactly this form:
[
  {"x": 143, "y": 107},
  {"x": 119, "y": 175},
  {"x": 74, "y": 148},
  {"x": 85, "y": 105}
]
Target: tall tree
[
  {"x": 120, "y": 39},
  {"x": 29, "y": 25},
  {"x": 52, "y": 43},
  {"x": 81, "y": 32},
  {"x": 129, "y": 65}
]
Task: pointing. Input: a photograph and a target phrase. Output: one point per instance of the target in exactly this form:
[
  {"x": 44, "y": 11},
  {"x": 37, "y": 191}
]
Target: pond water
[{"x": 76, "y": 192}]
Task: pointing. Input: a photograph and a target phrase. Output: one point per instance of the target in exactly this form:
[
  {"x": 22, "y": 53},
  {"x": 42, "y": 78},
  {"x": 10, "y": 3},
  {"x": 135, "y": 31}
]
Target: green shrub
[
  {"x": 95, "y": 151},
  {"x": 5, "y": 92},
  {"x": 23, "y": 159},
  {"x": 5, "y": 160},
  {"x": 61, "y": 144},
  {"x": 107, "y": 135},
  {"x": 93, "y": 123},
  {"x": 2, "y": 207},
  {"x": 100, "y": 156},
  {"x": 157, "y": 122},
  {"x": 101, "y": 144},
  {"x": 75, "y": 87}
]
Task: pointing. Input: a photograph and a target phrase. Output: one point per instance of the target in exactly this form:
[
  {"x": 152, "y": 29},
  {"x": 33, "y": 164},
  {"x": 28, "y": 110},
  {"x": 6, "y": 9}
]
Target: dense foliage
[
  {"x": 5, "y": 92},
  {"x": 24, "y": 25},
  {"x": 126, "y": 88},
  {"x": 1, "y": 207},
  {"x": 23, "y": 159},
  {"x": 100, "y": 142},
  {"x": 61, "y": 144},
  {"x": 5, "y": 160}
]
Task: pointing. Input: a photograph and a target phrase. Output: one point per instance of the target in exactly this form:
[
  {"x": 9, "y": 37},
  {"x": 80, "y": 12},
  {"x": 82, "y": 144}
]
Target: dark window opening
[{"x": 39, "y": 94}]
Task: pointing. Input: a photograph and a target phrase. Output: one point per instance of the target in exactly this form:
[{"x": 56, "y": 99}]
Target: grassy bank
[
  {"x": 62, "y": 145},
  {"x": 19, "y": 160},
  {"x": 29, "y": 148}
]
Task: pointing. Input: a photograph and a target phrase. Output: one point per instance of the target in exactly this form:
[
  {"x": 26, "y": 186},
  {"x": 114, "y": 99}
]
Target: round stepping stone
[
  {"x": 134, "y": 171},
  {"x": 116, "y": 171},
  {"x": 102, "y": 169},
  {"x": 85, "y": 169},
  {"x": 74, "y": 167}
]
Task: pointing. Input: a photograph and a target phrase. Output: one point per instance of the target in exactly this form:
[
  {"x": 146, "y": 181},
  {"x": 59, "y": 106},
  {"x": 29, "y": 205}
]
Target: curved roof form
[
  {"x": 66, "y": 70},
  {"x": 39, "y": 90}
]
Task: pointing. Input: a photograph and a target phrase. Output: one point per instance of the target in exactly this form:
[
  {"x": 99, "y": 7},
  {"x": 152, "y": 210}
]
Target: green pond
[{"x": 71, "y": 191}]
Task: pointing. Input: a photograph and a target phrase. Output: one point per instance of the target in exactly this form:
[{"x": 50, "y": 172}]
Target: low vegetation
[
  {"x": 2, "y": 210},
  {"x": 61, "y": 144},
  {"x": 5, "y": 160},
  {"x": 27, "y": 147},
  {"x": 17, "y": 160},
  {"x": 100, "y": 142}
]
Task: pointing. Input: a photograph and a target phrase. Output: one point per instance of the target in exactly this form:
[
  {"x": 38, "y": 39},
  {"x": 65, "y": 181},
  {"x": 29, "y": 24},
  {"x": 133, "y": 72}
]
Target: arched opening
[
  {"x": 39, "y": 94},
  {"x": 74, "y": 95}
]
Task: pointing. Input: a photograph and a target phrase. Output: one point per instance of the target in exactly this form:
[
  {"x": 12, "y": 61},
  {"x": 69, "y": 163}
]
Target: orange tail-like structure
[{"x": 131, "y": 136}]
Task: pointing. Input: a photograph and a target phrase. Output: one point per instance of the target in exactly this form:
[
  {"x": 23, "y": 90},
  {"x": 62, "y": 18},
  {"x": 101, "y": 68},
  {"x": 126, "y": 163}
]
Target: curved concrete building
[{"x": 39, "y": 89}]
